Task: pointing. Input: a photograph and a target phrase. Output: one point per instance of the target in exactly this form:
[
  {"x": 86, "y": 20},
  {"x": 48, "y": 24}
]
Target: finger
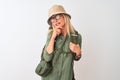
[
  {"x": 58, "y": 31},
  {"x": 60, "y": 27},
  {"x": 71, "y": 43}
]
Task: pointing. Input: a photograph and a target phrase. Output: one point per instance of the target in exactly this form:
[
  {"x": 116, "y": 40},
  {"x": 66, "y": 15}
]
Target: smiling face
[{"x": 57, "y": 20}]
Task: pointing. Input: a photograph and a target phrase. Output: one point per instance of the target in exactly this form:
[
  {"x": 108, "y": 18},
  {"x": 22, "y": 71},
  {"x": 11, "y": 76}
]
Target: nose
[{"x": 55, "y": 20}]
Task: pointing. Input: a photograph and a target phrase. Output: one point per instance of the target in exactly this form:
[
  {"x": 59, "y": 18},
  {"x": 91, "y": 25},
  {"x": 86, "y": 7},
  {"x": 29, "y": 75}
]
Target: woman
[{"x": 63, "y": 45}]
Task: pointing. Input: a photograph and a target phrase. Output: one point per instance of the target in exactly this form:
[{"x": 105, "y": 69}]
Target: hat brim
[{"x": 48, "y": 21}]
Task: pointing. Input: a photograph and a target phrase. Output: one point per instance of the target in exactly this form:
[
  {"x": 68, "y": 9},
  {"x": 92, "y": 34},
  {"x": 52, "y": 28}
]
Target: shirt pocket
[{"x": 66, "y": 47}]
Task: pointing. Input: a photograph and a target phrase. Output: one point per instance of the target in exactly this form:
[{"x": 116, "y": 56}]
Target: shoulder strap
[
  {"x": 42, "y": 53},
  {"x": 74, "y": 37}
]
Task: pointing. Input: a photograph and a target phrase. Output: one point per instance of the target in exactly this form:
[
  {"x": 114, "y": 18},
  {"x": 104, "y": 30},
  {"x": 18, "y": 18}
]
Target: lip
[{"x": 57, "y": 24}]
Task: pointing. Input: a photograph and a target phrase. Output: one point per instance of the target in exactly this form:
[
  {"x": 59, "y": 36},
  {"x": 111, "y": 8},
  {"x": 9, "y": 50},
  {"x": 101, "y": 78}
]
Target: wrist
[
  {"x": 78, "y": 54},
  {"x": 53, "y": 37},
  {"x": 78, "y": 50}
]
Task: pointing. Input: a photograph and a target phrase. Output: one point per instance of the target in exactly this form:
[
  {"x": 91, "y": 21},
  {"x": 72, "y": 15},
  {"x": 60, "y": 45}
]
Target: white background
[{"x": 23, "y": 30}]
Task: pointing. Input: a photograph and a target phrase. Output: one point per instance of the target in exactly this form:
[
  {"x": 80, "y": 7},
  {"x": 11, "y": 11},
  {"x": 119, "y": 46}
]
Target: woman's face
[{"x": 57, "y": 21}]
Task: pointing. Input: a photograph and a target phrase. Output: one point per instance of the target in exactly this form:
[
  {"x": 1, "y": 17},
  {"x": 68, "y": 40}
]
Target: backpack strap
[{"x": 74, "y": 37}]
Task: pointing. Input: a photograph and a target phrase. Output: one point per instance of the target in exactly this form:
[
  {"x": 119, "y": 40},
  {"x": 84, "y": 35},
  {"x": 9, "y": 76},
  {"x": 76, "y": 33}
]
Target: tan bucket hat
[{"x": 56, "y": 9}]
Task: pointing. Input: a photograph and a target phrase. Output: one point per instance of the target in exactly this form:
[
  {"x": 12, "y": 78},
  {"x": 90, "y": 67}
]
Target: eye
[
  {"x": 57, "y": 16},
  {"x": 51, "y": 20}
]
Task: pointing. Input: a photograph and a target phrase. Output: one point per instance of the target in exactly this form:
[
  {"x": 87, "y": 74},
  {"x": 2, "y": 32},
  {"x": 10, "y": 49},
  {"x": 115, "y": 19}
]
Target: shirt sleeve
[
  {"x": 80, "y": 44},
  {"x": 47, "y": 57}
]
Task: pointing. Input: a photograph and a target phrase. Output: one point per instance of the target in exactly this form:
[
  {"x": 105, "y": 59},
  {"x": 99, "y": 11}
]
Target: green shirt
[{"x": 62, "y": 64}]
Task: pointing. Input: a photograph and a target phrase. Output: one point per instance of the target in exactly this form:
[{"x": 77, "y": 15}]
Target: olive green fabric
[{"x": 63, "y": 64}]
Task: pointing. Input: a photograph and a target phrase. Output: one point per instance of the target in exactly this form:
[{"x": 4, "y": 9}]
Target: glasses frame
[{"x": 55, "y": 17}]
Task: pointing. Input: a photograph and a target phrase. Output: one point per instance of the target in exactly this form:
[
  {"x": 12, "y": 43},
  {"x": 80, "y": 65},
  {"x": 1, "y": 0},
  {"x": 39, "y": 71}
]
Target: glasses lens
[
  {"x": 51, "y": 20},
  {"x": 55, "y": 17}
]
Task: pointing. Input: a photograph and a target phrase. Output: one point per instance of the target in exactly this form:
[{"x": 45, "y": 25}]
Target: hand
[
  {"x": 75, "y": 48},
  {"x": 56, "y": 32}
]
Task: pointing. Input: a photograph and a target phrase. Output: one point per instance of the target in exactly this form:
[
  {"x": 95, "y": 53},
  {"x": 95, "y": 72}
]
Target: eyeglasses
[{"x": 56, "y": 17}]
